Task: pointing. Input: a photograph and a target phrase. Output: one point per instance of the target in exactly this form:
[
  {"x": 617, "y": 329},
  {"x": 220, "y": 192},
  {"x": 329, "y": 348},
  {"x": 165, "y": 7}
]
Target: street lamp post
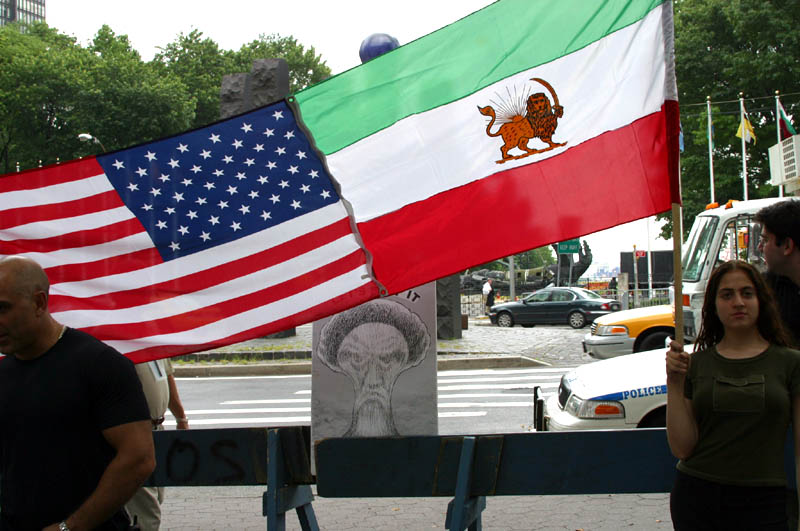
[{"x": 86, "y": 137}]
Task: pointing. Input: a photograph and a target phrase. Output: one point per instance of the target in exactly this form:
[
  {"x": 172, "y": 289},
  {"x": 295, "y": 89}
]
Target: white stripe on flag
[
  {"x": 57, "y": 193},
  {"x": 255, "y": 317},
  {"x": 216, "y": 294},
  {"x": 46, "y": 229},
  {"x": 83, "y": 255},
  {"x": 216, "y": 256}
]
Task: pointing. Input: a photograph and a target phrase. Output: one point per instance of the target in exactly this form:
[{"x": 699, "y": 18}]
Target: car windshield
[
  {"x": 586, "y": 294},
  {"x": 698, "y": 246}
]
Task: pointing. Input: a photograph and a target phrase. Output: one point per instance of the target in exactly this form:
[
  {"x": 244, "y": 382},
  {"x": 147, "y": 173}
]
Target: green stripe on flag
[{"x": 496, "y": 42}]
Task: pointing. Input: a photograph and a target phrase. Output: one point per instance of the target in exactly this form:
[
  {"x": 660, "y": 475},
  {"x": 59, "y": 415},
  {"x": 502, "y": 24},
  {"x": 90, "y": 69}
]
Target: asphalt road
[{"x": 470, "y": 402}]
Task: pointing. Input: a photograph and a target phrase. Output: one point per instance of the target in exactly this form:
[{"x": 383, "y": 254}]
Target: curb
[{"x": 304, "y": 367}]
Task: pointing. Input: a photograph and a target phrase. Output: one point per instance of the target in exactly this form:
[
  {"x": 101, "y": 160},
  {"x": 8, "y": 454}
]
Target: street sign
[
  {"x": 641, "y": 254},
  {"x": 569, "y": 247}
]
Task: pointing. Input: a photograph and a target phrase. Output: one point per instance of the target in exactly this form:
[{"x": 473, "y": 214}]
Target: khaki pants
[{"x": 145, "y": 507}]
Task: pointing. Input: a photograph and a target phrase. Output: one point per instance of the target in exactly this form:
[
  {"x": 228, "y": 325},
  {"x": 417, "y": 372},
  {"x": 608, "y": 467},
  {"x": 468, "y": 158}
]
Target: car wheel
[
  {"x": 653, "y": 341},
  {"x": 577, "y": 320},
  {"x": 505, "y": 319},
  {"x": 655, "y": 419}
]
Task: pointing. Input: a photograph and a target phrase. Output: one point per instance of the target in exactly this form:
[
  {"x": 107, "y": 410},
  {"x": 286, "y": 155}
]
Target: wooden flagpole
[{"x": 677, "y": 236}]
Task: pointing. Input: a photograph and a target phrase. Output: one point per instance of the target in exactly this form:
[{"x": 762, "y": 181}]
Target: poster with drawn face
[{"x": 374, "y": 369}]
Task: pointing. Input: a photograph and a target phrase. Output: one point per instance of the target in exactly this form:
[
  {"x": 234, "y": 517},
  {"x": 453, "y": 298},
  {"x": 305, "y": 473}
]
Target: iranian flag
[{"x": 523, "y": 124}]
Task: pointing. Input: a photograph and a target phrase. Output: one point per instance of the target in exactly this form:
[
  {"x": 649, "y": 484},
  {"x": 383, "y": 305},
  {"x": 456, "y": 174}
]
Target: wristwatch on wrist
[
  {"x": 62, "y": 526},
  {"x": 183, "y": 419}
]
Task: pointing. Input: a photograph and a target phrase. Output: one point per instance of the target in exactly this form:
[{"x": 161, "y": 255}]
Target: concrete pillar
[{"x": 267, "y": 82}]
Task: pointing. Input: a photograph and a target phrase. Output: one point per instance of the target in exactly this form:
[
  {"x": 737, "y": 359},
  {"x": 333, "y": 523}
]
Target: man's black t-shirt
[
  {"x": 52, "y": 412},
  {"x": 787, "y": 296}
]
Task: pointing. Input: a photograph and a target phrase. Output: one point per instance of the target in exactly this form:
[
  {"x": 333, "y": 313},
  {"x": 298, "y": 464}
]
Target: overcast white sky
[{"x": 334, "y": 28}]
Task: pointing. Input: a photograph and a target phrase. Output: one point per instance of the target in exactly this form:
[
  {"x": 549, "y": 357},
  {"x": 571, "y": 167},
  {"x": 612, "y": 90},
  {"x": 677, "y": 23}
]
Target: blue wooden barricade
[
  {"x": 275, "y": 457},
  {"x": 469, "y": 468}
]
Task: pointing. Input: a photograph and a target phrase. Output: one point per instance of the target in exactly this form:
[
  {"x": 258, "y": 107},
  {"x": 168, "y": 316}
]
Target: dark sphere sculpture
[{"x": 375, "y": 45}]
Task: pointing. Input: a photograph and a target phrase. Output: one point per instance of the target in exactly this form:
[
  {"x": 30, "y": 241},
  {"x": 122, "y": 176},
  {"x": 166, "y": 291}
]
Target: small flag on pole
[
  {"x": 787, "y": 129},
  {"x": 745, "y": 130}
]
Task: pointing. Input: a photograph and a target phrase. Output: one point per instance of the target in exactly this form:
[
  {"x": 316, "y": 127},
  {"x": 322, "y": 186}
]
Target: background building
[{"x": 21, "y": 11}]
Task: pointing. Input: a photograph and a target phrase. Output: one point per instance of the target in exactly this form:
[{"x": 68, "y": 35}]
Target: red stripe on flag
[
  {"x": 203, "y": 279},
  {"x": 222, "y": 310},
  {"x": 68, "y": 172},
  {"x": 617, "y": 177},
  {"x": 20, "y": 216},
  {"x": 83, "y": 238},
  {"x": 785, "y": 133},
  {"x": 343, "y": 302},
  {"x": 101, "y": 268}
]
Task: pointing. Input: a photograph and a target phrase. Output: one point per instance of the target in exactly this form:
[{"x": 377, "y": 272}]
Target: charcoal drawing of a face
[{"x": 373, "y": 344}]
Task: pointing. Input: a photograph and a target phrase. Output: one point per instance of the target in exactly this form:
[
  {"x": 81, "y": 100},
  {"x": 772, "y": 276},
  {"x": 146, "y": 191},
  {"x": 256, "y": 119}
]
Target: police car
[{"x": 618, "y": 393}]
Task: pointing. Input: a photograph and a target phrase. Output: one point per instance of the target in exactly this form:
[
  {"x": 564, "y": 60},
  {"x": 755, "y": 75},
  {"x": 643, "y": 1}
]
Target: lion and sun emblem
[{"x": 523, "y": 119}]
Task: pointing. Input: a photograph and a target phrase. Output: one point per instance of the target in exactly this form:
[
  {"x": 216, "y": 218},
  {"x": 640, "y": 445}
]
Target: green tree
[
  {"x": 306, "y": 67},
  {"x": 132, "y": 101},
  {"x": 538, "y": 257},
  {"x": 535, "y": 258},
  {"x": 40, "y": 72},
  {"x": 201, "y": 64},
  {"x": 722, "y": 48},
  {"x": 61, "y": 89}
]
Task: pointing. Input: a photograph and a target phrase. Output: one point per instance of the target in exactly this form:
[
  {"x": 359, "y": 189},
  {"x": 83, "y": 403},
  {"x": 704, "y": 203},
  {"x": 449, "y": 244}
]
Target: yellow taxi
[{"x": 628, "y": 331}]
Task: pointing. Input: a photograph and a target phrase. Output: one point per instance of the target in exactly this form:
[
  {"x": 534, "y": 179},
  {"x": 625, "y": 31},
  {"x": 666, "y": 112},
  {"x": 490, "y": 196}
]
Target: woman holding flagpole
[{"x": 729, "y": 405}]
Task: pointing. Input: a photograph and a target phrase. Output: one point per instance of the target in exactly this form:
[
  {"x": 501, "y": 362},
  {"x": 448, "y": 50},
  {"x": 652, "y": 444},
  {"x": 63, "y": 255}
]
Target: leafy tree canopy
[
  {"x": 722, "y": 48},
  {"x": 201, "y": 65},
  {"x": 63, "y": 89},
  {"x": 528, "y": 260},
  {"x": 54, "y": 89}
]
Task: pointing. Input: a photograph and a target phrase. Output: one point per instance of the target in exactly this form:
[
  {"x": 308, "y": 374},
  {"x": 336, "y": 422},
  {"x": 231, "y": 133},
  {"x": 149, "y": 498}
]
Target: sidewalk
[
  {"x": 239, "y": 508},
  {"x": 482, "y": 346}
]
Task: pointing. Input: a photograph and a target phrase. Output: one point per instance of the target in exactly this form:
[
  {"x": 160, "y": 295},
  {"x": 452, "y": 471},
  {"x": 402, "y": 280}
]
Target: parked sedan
[{"x": 575, "y": 306}]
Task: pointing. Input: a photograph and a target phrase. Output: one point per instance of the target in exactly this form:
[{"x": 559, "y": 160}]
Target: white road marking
[
  {"x": 271, "y": 421},
  {"x": 270, "y": 401},
  {"x": 499, "y": 379},
  {"x": 486, "y": 404},
  {"x": 210, "y": 378},
  {"x": 479, "y": 372},
  {"x": 520, "y": 385}
]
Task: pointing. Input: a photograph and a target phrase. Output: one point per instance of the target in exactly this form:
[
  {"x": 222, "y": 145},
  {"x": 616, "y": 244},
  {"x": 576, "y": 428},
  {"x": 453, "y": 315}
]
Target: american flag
[{"x": 207, "y": 238}]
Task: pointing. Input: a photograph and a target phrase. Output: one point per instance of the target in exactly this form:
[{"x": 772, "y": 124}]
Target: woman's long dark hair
[{"x": 769, "y": 323}]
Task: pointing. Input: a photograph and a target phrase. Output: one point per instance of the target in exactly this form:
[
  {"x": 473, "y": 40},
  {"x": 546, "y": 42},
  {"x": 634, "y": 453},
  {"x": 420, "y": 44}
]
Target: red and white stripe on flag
[{"x": 111, "y": 279}]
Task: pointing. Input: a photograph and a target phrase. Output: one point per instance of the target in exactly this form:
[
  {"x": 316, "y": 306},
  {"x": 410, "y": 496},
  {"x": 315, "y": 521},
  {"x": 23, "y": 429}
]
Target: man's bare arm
[
  {"x": 175, "y": 404},
  {"x": 133, "y": 464}
]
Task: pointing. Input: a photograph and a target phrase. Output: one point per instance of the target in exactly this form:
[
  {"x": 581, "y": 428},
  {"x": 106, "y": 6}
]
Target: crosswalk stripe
[
  {"x": 270, "y": 401},
  {"x": 513, "y": 379},
  {"x": 520, "y": 385},
  {"x": 278, "y": 420}
]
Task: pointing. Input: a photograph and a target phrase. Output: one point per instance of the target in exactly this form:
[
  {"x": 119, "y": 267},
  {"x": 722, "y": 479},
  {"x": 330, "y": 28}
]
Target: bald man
[{"x": 75, "y": 431}]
